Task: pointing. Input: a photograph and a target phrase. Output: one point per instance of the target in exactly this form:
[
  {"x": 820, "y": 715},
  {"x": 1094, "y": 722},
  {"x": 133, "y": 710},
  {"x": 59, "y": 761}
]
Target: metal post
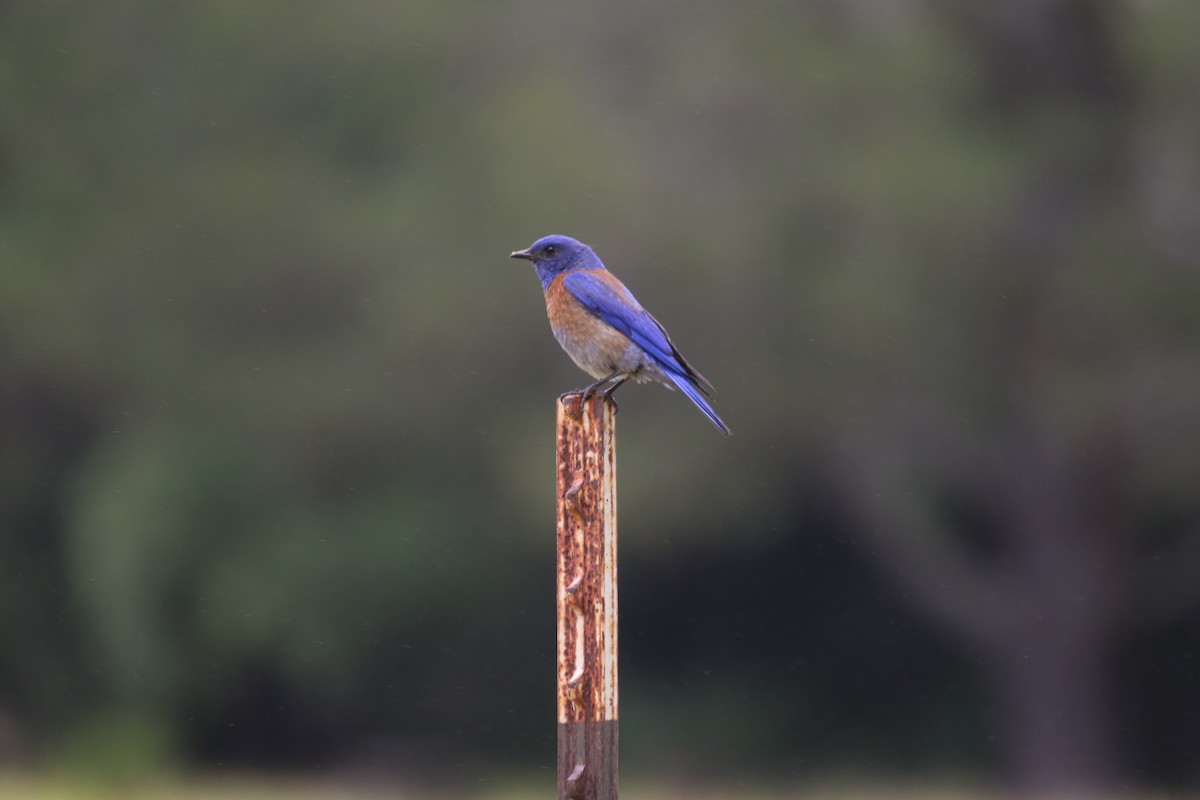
[{"x": 587, "y": 599}]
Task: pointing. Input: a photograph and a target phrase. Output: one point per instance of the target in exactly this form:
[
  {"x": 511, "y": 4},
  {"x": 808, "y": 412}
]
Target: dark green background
[{"x": 276, "y": 409}]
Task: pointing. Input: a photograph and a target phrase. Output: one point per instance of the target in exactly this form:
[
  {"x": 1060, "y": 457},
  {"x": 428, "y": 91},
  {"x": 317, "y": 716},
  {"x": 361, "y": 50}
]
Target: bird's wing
[{"x": 607, "y": 298}]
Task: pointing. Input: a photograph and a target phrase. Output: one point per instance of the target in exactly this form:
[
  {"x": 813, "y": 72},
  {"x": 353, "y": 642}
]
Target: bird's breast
[{"x": 594, "y": 345}]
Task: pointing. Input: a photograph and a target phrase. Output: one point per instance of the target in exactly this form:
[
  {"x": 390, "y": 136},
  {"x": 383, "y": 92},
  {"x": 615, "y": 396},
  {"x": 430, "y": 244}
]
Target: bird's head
[{"x": 553, "y": 254}]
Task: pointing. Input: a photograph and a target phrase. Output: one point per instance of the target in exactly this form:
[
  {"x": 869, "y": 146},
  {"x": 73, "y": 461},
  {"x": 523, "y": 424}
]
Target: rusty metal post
[{"x": 587, "y": 599}]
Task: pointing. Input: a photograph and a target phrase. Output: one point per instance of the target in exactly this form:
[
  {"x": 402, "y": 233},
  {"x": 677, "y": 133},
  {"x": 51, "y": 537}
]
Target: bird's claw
[
  {"x": 565, "y": 398},
  {"x": 587, "y": 394},
  {"x": 614, "y": 380}
]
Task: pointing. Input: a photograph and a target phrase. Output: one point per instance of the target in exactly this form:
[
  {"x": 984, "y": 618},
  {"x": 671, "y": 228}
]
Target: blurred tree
[
  {"x": 1032, "y": 485},
  {"x": 255, "y": 288}
]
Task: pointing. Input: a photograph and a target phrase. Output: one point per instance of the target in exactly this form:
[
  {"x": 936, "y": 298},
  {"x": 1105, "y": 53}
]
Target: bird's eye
[{"x": 551, "y": 249}]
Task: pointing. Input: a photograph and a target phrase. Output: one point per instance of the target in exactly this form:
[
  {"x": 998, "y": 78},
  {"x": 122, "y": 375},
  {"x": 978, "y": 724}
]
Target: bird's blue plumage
[
  {"x": 695, "y": 394},
  {"x": 604, "y": 329},
  {"x": 620, "y": 309}
]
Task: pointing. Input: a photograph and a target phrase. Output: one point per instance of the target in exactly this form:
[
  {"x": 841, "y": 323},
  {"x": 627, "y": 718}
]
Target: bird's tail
[{"x": 694, "y": 393}]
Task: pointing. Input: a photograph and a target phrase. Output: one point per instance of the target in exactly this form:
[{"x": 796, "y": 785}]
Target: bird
[{"x": 605, "y": 330}]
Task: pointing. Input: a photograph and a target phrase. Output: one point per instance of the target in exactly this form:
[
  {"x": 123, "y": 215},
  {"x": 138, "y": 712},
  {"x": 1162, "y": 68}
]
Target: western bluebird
[{"x": 604, "y": 329}]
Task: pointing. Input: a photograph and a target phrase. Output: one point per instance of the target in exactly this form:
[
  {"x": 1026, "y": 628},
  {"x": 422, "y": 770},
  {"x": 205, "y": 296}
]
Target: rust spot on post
[{"x": 587, "y": 598}]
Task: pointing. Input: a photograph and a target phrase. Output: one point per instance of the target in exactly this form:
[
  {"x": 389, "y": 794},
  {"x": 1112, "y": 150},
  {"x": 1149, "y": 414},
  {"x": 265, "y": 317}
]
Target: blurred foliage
[
  {"x": 117, "y": 751},
  {"x": 275, "y": 452},
  {"x": 302, "y": 788}
]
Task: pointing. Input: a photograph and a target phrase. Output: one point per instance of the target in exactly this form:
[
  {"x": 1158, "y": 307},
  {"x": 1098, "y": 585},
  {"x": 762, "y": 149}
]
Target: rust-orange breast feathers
[{"x": 572, "y": 320}]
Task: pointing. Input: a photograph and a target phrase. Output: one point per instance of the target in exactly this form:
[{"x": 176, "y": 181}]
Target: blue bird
[{"x": 604, "y": 329}]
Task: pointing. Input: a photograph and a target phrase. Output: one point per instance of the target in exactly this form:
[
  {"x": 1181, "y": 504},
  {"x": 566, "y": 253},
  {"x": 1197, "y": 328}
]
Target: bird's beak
[{"x": 525, "y": 254}]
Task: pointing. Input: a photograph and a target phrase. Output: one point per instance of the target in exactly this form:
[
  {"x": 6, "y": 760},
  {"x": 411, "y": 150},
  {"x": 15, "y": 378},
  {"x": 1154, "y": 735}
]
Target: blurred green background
[{"x": 276, "y": 409}]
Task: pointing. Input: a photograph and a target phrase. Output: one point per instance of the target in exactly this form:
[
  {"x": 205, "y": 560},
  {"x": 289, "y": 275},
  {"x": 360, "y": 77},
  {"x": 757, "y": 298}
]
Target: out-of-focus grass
[
  {"x": 34, "y": 787},
  {"x": 29, "y": 787},
  {"x": 37, "y": 787}
]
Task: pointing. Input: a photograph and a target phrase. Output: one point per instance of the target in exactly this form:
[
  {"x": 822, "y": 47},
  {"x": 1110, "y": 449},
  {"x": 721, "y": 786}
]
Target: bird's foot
[
  {"x": 615, "y": 385},
  {"x": 588, "y": 392},
  {"x": 607, "y": 394},
  {"x": 581, "y": 395}
]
